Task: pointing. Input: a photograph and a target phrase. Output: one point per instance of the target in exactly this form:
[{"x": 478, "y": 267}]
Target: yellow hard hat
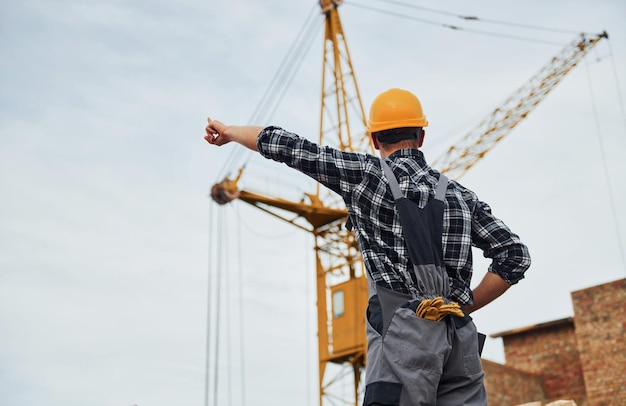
[{"x": 395, "y": 108}]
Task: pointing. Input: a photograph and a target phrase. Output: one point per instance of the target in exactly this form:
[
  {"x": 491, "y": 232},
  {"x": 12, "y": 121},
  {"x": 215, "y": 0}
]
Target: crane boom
[{"x": 462, "y": 156}]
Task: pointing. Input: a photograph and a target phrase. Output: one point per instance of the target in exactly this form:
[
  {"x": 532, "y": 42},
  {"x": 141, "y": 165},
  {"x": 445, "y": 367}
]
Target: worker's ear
[
  {"x": 375, "y": 141},
  {"x": 420, "y": 138}
]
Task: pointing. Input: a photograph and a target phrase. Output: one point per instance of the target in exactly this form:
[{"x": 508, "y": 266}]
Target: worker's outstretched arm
[
  {"x": 217, "y": 133},
  {"x": 490, "y": 288}
]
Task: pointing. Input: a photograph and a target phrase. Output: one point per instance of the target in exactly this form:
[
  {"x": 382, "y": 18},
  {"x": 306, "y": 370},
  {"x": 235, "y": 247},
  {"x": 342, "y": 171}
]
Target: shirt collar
[{"x": 410, "y": 153}]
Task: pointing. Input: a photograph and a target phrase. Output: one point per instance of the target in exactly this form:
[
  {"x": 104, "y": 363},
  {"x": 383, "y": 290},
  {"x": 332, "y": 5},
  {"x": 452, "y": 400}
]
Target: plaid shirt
[{"x": 359, "y": 180}]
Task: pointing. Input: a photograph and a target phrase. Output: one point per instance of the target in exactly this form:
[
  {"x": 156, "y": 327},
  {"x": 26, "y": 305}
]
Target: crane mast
[
  {"x": 341, "y": 281},
  {"x": 341, "y": 284}
]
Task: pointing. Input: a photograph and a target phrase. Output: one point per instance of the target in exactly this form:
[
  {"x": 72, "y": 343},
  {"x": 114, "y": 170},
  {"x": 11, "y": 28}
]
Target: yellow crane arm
[
  {"x": 315, "y": 213},
  {"x": 461, "y": 156}
]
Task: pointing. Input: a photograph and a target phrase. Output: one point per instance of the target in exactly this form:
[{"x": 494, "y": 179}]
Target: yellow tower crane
[{"x": 340, "y": 274}]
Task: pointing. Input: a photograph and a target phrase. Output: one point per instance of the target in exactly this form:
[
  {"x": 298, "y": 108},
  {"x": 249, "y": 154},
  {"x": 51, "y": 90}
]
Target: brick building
[{"x": 580, "y": 358}]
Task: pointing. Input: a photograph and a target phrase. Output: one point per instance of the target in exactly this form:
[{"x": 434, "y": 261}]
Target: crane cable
[
  {"x": 466, "y": 18},
  {"x": 213, "y": 295},
  {"x": 617, "y": 86},
  {"x": 242, "y": 335},
  {"x": 278, "y": 86},
  {"x": 208, "y": 315},
  {"x": 284, "y": 76},
  {"x": 473, "y": 18},
  {"x": 218, "y": 279},
  {"x": 603, "y": 155}
]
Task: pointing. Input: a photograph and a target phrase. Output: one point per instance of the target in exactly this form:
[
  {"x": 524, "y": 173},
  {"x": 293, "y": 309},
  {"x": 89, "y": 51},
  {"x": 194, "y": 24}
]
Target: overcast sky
[{"x": 108, "y": 240}]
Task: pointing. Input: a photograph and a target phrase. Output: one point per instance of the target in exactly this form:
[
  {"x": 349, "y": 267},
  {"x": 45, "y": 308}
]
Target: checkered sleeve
[
  {"x": 333, "y": 168},
  {"x": 510, "y": 257}
]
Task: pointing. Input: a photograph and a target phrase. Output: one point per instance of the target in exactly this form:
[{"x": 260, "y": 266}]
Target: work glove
[{"x": 436, "y": 309}]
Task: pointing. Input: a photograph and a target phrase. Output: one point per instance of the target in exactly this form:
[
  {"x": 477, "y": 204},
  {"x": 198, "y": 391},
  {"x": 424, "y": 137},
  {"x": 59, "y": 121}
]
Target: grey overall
[{"x": 412, "y": 361}]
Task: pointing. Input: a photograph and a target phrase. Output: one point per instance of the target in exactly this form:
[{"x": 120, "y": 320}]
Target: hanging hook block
[
  {"x": 227, "y": 190},
  {"x": 224, "y": 191}
]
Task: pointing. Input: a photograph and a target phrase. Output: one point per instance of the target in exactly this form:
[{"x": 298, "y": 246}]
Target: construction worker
[{"x": 415, "y": 230}]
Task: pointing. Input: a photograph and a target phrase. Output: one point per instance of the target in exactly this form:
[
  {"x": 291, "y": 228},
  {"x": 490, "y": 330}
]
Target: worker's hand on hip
[{"x": 216, "y": 133}]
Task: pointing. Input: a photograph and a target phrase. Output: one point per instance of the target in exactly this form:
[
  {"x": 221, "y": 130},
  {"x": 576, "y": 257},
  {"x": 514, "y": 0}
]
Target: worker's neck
[{"x": 388, "y": 149}]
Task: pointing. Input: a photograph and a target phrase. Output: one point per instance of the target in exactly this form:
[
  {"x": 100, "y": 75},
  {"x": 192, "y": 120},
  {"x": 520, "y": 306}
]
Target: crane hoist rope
[
  {"x": 277, "y": 87},
  {"x": 478, "y": 19},
  {"x": 605, "y": 167},
  {"x": 452, "y": 26}
]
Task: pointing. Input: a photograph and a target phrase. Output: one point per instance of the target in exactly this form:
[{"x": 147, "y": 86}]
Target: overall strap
[
  {"x": 422, "y": 232},
  {"x": 391, "y": 178},
  {"x": 440, "y": 194}
]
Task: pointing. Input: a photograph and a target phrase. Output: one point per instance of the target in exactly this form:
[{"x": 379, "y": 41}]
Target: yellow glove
[
  {"x": 421, "y": 308},
  {"x": 452, "y": 308},
  {"x": 436, "y": 309}
]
